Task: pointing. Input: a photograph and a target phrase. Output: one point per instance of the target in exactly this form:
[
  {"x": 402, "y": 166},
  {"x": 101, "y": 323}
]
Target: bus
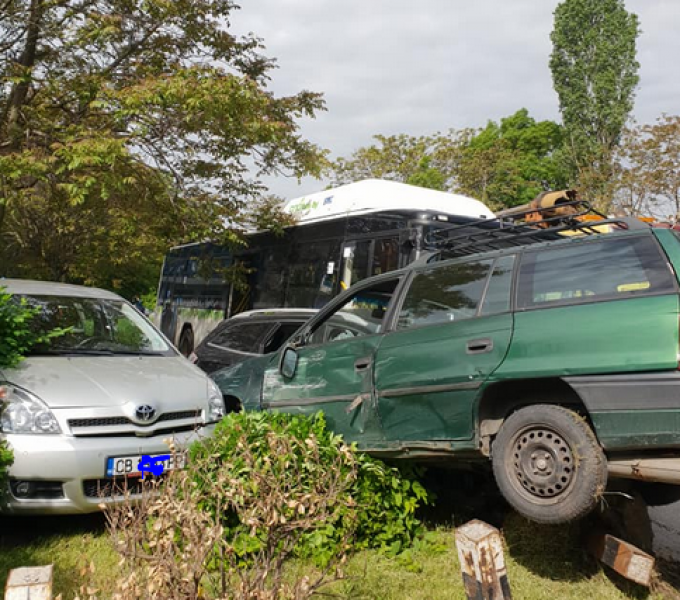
[{"x": 341, "y": 236}]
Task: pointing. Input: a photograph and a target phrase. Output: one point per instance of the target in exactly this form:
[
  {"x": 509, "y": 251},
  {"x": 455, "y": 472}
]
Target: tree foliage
[
  {"x": 509, "y": 163},
  {"x": 403, "y": 158},
  {"x": 594, "y": 71},
  {"x": 126, "y": 125},
  {"x": 648, "y": 161},
  {"x": 503, "y": 164}
]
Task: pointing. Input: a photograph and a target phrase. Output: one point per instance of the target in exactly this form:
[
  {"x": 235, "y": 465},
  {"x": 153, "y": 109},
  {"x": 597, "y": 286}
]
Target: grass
[{"x": 543, "y": 563}]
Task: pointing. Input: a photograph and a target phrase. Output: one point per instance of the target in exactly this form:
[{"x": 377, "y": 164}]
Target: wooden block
[
  {"x": 624, "y": 558},
  {"x": 480, "y": 551},
  {"x": 29, "y": 583}
]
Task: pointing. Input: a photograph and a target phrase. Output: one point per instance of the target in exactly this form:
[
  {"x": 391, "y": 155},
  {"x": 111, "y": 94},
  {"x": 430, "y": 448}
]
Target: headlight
[
  {"x": 25, "y": 413},
  {"x": 215, "y": 402}
]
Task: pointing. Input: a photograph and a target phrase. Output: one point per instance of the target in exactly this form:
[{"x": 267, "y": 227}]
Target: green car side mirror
[{"x": 288, "y": 364}]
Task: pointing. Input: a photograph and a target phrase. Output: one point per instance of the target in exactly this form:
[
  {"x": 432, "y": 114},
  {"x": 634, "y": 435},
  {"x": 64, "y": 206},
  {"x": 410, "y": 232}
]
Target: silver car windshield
[{"x": 94, "y": 327}]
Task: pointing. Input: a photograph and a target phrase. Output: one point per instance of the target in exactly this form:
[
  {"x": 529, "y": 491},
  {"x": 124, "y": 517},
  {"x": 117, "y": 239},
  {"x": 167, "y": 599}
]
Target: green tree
[
  {"x": 648, "y": 161},
  {"x": 394, "y": 157},
  {"x": 509, "y": 163},
  {"x": 594, "y": 70},
  {"x": 127, "y": 124}
]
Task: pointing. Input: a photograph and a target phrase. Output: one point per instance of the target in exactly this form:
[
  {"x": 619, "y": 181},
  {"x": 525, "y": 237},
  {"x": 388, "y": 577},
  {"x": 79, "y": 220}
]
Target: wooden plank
[
  {"x": 29, "y": 583},
  {"x": 624, "y": 558},
  {"x": 480, "y": 551}
]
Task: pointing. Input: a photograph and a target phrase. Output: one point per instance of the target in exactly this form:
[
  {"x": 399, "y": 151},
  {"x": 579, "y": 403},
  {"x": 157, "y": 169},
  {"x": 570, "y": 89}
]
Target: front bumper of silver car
[{"x": 63, "y": 474}]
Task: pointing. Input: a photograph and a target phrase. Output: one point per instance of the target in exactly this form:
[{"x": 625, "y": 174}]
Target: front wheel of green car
[{"x": 548, "y": 464}]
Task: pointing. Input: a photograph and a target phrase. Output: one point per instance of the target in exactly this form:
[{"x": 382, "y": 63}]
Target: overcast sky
[{"x": 397, "y": 66}]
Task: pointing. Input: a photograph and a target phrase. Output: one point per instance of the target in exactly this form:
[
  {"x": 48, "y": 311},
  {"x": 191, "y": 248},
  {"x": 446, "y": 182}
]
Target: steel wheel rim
[{"x": 543, "y": 464}]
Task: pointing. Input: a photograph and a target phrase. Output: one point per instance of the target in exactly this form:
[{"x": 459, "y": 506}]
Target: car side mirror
[{"x": 289, "y": 361}]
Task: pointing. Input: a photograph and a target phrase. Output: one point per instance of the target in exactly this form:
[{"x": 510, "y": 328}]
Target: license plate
[{"x": 128, "y": 466}]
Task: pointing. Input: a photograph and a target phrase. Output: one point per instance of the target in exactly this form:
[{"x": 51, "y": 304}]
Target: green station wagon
[{"x": 555, "y": 357}]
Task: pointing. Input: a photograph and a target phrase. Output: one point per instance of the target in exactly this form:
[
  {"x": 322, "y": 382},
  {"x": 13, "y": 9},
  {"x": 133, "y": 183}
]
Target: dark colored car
[
  {"x": 248, "y": 334},
  {"x": 259, "y": 332}
]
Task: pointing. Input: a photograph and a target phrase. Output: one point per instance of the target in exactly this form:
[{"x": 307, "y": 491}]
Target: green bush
[
  {"x": 379, "y": 503},
  {"x": 17, "y": 337}
]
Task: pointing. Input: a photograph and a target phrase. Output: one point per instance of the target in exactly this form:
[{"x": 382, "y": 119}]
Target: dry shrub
[{"x": 231, "y": 536}]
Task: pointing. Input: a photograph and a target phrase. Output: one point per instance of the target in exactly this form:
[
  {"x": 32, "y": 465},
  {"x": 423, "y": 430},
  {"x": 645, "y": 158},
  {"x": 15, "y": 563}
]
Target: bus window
[
  {"x": 269, "y": 277},
  {"x": 354, "y": 262},
  {"x": 385, "y": 256},
  {"x": 310, "y": 284}
]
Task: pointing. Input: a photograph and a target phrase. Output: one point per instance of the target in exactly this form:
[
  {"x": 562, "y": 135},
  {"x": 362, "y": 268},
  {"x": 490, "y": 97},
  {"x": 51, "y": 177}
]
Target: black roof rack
[{"x": 505, "y": 231}]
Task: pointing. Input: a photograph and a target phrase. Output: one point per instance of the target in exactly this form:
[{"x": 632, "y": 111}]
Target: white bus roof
[{"x": 374, "y": 195}]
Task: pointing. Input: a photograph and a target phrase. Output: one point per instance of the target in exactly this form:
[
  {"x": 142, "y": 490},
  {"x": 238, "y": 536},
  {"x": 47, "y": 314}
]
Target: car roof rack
[{"x": 533, "y": 223}]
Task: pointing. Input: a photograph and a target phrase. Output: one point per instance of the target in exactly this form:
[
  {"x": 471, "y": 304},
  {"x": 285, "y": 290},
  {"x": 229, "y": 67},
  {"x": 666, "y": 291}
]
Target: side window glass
[
  {"x": 444, "y": 294},
  {"x": 608, "y": 269},
  {"x": 244, "y": 337},
  {"x": 280, "y": 336},
  {"x": 360, "y": 315},
  {"x": 497, "y": 298}
]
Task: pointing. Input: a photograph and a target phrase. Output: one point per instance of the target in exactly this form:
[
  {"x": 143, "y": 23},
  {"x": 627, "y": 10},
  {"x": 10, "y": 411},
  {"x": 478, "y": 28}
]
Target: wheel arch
[
  {"x": 187, "y": 330},
  {"x": 232, "y": 404},
  {"x": 499, "y": 400}
]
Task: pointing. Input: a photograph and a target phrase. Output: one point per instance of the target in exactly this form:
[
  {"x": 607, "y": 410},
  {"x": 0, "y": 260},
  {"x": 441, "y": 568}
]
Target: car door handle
[
  {"x": 361, "y": 364},
  {"x": 479, "y": 346}
]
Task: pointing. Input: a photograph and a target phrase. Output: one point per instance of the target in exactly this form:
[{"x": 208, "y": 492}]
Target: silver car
[{"x": 80, "y": 412}]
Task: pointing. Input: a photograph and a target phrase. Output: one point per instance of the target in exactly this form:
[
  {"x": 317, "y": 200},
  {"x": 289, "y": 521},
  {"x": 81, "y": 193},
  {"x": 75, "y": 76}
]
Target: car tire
[
  {"x": 186, "y": 342},
  {"x": 548, "y": 464}
]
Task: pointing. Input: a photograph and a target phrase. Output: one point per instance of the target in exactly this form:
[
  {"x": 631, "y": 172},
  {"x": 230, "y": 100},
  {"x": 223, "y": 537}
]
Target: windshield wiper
[
  {"x": 76, "y": 352},
  {"x": 136, "y": 353}
]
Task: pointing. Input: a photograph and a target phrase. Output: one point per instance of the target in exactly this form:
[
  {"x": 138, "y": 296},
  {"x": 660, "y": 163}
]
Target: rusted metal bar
[
  {"x": 662, "y": 470},
  {"x": 624, "y": 558},
  {"x": 480, "y": 551},
  {"x": 29, "y": 583}
]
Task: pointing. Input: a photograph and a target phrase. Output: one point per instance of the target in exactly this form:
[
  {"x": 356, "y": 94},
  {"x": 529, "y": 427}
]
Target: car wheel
[
  {"x": 186, "y": 342},
  {"x": 548, "y": 464}
]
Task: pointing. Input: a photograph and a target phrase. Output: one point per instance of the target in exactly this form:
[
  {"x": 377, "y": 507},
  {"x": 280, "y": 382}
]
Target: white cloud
[{"x": 395, "y": 66}]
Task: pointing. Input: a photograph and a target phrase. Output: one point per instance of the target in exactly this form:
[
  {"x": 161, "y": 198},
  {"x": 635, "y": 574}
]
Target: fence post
[
  {"x": 480, "y": 551},
  {"x": 29, "y": 583}
]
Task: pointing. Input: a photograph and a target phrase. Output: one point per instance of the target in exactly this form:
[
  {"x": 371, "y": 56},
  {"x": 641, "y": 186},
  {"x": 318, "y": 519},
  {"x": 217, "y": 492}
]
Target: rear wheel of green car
[{"x": 548, "y": 464}]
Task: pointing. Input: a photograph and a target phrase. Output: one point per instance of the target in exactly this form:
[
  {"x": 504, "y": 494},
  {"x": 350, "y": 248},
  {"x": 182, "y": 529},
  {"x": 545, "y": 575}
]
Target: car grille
[
  {"x": 117, "y": 486},
  {"x": 113, "y": 421}
]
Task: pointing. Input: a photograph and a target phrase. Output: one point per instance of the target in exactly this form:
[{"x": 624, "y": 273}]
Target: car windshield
[{"x": 94, "y": 326}]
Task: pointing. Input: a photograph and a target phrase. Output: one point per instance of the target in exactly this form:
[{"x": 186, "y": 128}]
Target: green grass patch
[{"x": 543, "y": 563}]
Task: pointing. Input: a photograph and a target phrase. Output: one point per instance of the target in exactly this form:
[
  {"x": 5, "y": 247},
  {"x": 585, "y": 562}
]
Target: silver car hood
[{"x": 91, "y": 381}]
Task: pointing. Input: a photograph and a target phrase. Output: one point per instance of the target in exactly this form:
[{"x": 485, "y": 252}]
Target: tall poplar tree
[{"x": 594, "y": 71}]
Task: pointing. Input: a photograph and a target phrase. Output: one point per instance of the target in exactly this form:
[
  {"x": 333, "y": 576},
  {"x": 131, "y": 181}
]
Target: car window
[
  {"x": 360, "y": 315},
  {"x": 497, "y": 297},
  {"x": 244, "y": 337},
  {"x": 281, "y": 335},
  {"x": 444, "y": 294},
  {"x": 608, "y": 269},
  {"x": 93, "y": 325}
]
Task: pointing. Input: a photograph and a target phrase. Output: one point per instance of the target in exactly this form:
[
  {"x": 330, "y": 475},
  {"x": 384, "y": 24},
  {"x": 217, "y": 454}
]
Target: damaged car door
[{"x": 335, "y": 375}]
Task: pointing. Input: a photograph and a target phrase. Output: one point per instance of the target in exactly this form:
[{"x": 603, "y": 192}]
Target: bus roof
[{"x": 374, "y": 195}]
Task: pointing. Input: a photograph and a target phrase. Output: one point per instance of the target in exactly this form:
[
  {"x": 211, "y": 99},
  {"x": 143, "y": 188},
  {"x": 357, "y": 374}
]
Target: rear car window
[
  {"x": 602, "y": 270},
  {"x": 244, "y": 337},
  {"x": 282, "y": 334},
  {"x": 444, "y": 294}
]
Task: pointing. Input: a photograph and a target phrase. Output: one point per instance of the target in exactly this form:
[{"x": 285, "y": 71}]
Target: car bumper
[{"x": 77, "y": 463}]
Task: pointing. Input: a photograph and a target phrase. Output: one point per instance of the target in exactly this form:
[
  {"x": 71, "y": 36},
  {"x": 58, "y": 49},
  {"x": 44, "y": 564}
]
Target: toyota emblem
[{"x": 145, "y": 412}]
